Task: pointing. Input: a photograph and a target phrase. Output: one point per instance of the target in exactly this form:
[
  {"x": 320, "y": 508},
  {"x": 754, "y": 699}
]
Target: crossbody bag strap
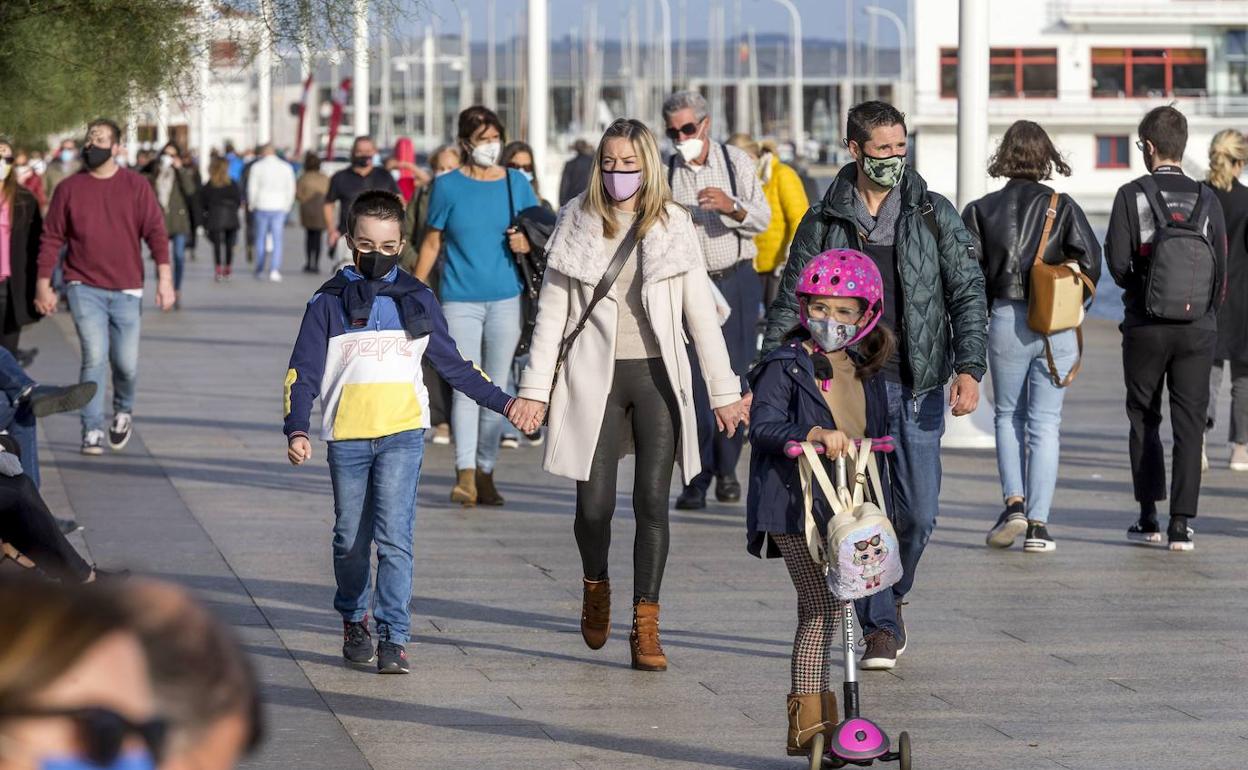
[
  {"x": 1058, "y": 380},
  {"x": 1050, "y": 215},
  {"x": 601, "y": 290}
]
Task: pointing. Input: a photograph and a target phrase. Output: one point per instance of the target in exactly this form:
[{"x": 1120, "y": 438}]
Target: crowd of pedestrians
[{"x": 681, "y": 306}]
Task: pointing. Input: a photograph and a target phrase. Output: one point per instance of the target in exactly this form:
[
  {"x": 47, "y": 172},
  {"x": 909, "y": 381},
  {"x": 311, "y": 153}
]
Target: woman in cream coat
[{"x": 626, "y": 384}]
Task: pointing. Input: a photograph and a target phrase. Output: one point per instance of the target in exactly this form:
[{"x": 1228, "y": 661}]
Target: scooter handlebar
[{"x": 883, "y": 444}]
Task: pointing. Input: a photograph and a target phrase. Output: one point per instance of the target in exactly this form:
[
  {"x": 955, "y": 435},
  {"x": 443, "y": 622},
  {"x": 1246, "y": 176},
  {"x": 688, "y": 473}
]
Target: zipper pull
[
  {"x": 684, "y": 399},
  {"x": 915, "y": 401}
]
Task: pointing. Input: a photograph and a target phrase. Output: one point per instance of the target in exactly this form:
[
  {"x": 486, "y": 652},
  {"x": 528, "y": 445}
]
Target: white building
[{"x": 1086, "y": 70}]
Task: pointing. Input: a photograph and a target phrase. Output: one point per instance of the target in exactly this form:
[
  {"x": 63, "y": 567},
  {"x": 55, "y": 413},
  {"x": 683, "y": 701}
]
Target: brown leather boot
[
  {"x": 596, "y": 613},
  {"x": 487, "y": 493},
  {"x": 643, "y": 642},
  {"x": 830, "y": 715},
  {"x": 465, "y": 490},
  {"x": 805, "y": 721}
]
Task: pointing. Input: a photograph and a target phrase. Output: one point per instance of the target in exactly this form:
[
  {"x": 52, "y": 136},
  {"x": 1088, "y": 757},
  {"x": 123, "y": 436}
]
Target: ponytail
[
  {"x": 875, "y": 349},
  {"x": 1228, "y": 149}
]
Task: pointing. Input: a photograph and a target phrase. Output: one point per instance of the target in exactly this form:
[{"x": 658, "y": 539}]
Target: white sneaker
[
  {"x": 442, "y": 434},
  {"x": 275, "y": 276},
  {"x": 1239, "y": 457},
  {"x": 509, "y": 442},
  {"x": 93, "y": 442},
  {"x": 119, "y": 432}
]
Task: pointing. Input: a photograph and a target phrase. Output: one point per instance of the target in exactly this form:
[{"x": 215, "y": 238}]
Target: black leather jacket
[{"x": 1008, "y": 224}]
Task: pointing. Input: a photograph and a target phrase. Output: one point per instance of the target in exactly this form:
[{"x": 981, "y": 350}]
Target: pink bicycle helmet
[{"x": 844, "y": 273}]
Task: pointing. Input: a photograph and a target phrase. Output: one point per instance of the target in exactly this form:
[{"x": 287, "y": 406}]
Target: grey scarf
[{"x": 880, "y": 229}]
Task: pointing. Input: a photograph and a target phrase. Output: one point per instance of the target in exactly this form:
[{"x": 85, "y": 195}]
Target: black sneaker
[
  {"x": 691, "y": 499},
  {"x": 119, "y": 432},
  {"x": 901, "y": 628},
  {"x": 728, "y": 489},
  {"x": 67, "y": 526},
  {"x": 1010, "y": 524},
  {"x": 881, "y": 652},
  {"x": 53, "y": 399},
  {"x": 1179, "y": 534},
  {"x": 391, "y": 658},
  {"x": 357, "y": 643},
  {"x": 1145, "y": 531},
  {"x": 1038, "y": 539}
]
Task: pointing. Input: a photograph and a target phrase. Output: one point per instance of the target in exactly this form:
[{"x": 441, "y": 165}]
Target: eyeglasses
[
  {"x": 1139, "y": 145},
  {"x": 689, "y": 129},
  {"x": 819, "y": 312},
  {"x": 865, "y": 544},
  {"x": 103, "y": 731}
]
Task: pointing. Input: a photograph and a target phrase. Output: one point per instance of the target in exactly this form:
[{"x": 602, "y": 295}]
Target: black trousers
[
  {"x": 1155, "y": 358},
  {"x": 312, "y": 248},
  {"x": 641, "y": 402},
  {"x": 27, "y": 525},
  {"x": 223, "y": 246}
]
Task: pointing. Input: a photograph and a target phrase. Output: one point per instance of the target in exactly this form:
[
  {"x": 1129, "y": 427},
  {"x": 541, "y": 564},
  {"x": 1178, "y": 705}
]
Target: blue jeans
[
  {"x": 267, "y": 222},
  {"x": 486, "y": 333},
  {"x": 375, "y": 483},
  {"x": 18, "y": 420},
  {"x": 108, "y": 324},
  {"x": 177, "y": 251},
  {"x": 914, "y": 470},
  {"x": 1028, "y": 404}
]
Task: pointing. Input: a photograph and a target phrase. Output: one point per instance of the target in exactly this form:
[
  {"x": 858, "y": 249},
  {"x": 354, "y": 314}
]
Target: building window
[
  {"x": 1237, "y": 60},
  {"x": 1112, "y": 152},
  {"x": 1013, "y": 73},
  {"x": 1149, "y": 72}
]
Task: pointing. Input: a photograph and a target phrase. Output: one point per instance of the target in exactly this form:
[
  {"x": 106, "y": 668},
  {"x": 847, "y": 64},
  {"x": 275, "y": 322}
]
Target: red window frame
[
  {"x": 1114, "y": 141},
  {"x": 1018, "y": 57},
  {"x": 1169, "y": 57}
]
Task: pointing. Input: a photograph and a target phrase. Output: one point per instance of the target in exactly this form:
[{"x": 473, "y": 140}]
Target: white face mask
[
  {"x": 166, "y": 161},
  {"x": 4, "y": 170},
  {"x": 38, "y": 166},
  {"x": 690, "y": 149},
  {"x": 487, "y": 154},
  {"x": 394, "y": 172}
]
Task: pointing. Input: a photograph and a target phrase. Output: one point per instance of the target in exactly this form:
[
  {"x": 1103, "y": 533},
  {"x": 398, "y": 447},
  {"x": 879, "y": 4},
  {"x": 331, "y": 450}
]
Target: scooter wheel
[
  {"x": 903, "y": 750},
  {"x": 816, "y": 752}
]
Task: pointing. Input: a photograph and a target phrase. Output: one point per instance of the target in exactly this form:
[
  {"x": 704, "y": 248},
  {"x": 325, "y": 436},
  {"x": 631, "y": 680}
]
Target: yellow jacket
[{"x": 787, "y": 197}]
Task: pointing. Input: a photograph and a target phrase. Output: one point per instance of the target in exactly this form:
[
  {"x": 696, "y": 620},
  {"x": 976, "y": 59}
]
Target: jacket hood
[
  {"x": 576, "y": 247},
  {"x": 838, "y": 201}
]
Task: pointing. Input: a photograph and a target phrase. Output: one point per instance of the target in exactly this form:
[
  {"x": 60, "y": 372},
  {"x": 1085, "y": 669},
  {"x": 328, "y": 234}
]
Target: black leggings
[
  {"x": 312, "y": 249},
  {"x": 223, "y": 246},
  {"x": 641, "y": 400},
  {"x": 27, "y": 525}
]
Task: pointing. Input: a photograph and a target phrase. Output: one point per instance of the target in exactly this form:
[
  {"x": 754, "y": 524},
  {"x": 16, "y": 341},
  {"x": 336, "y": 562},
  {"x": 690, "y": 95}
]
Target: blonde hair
[
  {"x": 654, "y": 194},
  {"x": 1228, "y": 149},
  {"x": 747, "y": 143}
]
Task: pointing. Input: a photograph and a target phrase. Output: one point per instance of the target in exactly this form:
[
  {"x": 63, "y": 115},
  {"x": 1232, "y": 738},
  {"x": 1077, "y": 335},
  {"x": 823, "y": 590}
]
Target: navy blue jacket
[{"x": 787, "y": 405}]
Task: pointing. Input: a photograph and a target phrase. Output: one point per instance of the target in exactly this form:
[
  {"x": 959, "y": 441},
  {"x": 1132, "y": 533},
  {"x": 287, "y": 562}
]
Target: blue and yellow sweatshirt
[{"x": 369, "y": 376}]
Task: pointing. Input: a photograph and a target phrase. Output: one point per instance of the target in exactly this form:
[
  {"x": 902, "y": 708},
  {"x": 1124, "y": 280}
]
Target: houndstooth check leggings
[{"x": 817, "y": 614}]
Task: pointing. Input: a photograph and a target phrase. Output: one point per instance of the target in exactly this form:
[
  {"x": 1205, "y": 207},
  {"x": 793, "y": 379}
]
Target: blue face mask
[{"x": 137, "y": 760}]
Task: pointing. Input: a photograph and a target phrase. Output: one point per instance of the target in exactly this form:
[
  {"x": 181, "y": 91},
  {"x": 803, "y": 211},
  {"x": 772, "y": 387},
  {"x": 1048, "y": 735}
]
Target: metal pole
[
  {"x": 665, "y": 87},
  {"x": 428, "y": 54},
  {"x": 797, "y": 121},
  {"x": 359, "y": 80},
  {"x": 873, "y": 48},
  {"x": 204, "y": 75},
  {"x": 903, "y": 37},
  {"x": 490, "y": 97},
  {"x": 385, "y": 131},
  {"x": 465, "y": 54},
  {"x": 849, "y": 50},
  {"x": 683, "y": 53},
  {"x": 264, "y": 67},
  {"x": 539, "y": 85}
]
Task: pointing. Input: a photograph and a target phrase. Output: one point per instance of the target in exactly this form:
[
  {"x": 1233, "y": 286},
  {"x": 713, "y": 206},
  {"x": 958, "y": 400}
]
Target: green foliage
[{"x": 63, "y": 62}]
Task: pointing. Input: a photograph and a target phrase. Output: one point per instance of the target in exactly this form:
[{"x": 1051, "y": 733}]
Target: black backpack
[{"x": 1182, "y": 271}]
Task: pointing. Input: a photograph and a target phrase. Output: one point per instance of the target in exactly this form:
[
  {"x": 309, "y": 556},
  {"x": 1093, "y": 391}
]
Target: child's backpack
[
  {"x": 860, "y": 549},
  {"x": 1182, "y": 270}
]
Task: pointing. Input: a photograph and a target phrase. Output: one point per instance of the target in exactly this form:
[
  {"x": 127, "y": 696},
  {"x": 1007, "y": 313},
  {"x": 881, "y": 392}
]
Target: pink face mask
[{"x": 621, "y": 185}]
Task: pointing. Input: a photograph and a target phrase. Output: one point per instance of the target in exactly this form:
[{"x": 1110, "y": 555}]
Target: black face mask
[
  {"x": 360, "y": 161},
  {"x": 94, "y": 157},
  {"x": 374, "y": 265}
]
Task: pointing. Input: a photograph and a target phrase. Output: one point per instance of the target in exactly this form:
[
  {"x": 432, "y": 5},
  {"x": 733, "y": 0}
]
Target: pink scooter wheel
[{"x": 859, "y": 739}]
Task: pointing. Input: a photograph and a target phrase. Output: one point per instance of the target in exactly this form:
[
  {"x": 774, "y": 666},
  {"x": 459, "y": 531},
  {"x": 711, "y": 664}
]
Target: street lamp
[
  {"x": 667, "y": 47},
  {"x": 902, "y": 43},
  {"x": 795, "y": 85}
]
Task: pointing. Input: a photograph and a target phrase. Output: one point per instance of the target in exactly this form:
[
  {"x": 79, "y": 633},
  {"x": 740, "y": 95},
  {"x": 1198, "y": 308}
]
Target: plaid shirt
[{"x": 725, "y": 241}]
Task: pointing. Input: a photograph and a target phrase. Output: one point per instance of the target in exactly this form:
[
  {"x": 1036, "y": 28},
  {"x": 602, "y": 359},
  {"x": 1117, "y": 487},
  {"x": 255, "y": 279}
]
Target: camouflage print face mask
[{"x": 886, "y": 172}]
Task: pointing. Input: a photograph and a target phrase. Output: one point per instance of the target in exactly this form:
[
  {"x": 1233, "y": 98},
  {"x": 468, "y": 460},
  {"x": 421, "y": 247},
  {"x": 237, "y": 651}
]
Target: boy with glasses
[{"x": 364, "y": 337}]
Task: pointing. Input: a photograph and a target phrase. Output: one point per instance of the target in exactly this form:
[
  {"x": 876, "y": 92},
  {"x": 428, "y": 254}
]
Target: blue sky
[{"x": 820, "y": 18}]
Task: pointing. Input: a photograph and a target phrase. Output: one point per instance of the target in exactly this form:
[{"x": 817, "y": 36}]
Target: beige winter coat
[{"x": 676, "y": 292}]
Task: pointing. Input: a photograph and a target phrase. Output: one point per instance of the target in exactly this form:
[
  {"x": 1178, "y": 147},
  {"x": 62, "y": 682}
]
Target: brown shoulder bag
[{"x": 1056, "y": 302}]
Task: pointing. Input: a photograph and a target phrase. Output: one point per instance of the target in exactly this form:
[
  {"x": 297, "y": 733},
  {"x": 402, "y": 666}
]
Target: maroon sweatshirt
[{"x": 102, "y": 221}]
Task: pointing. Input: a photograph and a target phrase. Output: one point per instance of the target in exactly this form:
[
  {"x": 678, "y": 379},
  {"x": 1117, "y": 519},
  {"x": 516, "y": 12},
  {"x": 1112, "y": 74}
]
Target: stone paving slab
[{"x": 1101, "y": 655}]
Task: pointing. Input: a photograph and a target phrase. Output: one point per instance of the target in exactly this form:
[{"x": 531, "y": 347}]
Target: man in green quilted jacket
[{"x": 934, "y": 302}]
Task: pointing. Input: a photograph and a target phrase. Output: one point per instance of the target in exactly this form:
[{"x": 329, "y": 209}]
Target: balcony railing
[
  {"x": 1147, "y": 12},
  {"x": 931, "y": 107}
]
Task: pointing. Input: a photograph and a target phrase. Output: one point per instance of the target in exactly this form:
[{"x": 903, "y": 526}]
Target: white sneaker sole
[
  {"x": 122, "y": 444},
  {"x": 92, "y": 451},
  {"x": 1147, "y": 538},
  {"x": 1039, "y": 546},
  {"x": 1239, "y": 467},
  {"x": 877, "y": 664},
  {"x": 1003, "y": 536},
  {"x": 442, "y": 440},
  {"x": 1186, "y": 546}
]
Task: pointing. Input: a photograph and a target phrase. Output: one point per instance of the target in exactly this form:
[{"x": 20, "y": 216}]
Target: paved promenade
[{"x": 1102, "y": 655}]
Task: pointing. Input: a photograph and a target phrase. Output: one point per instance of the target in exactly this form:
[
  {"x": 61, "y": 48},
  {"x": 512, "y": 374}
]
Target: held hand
[
  {"x": 299, "y": 450},
  {"x": 715, "y": 199},
  {"x": 165, "y": 295},
  {"x": 517, "y": 242},
  {"x": 526, "y": 414},
  {"x": 45, "y": 298},
  {"x": 964, "y": 395},
  {"x": 729, "y": 418},
  {"x": 835, "y": 443}
]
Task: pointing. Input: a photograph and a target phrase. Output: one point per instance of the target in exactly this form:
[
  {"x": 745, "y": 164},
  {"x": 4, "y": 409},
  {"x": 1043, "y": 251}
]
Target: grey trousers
[{"x": 1238, "y": 433}]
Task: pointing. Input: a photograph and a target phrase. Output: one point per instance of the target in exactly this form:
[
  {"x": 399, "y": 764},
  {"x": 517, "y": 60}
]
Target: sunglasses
[
  {"x": 103, "y": 731},
  {"x": 689, "y": 129},
  {"x": 865, "y": 544}
]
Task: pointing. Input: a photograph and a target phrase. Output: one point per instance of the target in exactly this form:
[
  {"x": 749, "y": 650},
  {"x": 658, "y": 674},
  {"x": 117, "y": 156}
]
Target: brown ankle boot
[
  {"x": 487, "y": 493},
  {"x": 644, "y": 640},
  {"x": 596, "y": 613},
  {"x": 465, "y": 490},
  {"x": 806, "y": 720},
  {"x": 831, "y": 717}
]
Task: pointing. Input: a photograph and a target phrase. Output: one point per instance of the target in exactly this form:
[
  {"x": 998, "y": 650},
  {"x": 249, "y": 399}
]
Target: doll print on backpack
[{"x": 869, "y": 557}]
